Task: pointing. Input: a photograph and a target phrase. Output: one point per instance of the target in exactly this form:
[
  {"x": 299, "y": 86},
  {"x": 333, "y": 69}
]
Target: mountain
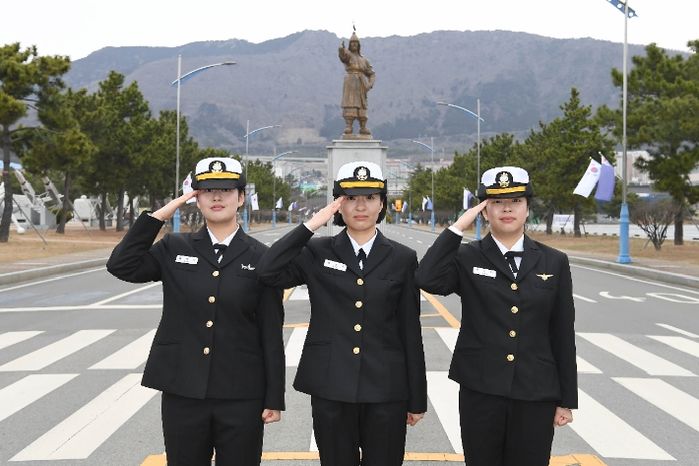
[{"x": 296, "y": 81}]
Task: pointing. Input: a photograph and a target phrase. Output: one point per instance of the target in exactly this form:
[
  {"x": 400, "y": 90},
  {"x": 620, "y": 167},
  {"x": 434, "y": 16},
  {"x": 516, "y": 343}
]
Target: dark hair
[{"x": 339, "y": 221}]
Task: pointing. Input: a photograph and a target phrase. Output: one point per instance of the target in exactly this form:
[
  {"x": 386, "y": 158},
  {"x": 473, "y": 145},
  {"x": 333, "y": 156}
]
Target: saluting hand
[
  {"x": 414, "y": 418},
  {"x": 271, "y": 415},
  {"x": 562, "y": 417},
  {"x": 325, "y": 214},
  {"x": 469, "y": 216},
  {"x": 168, "y": 210}
]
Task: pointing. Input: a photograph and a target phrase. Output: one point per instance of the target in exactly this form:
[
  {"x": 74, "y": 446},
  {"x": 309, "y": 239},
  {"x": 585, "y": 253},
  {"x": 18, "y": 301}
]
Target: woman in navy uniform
[
  {"x": 362, "y": 362},
  {"x": 515, "y": 354},
  {"x": 218, "y": 354}
]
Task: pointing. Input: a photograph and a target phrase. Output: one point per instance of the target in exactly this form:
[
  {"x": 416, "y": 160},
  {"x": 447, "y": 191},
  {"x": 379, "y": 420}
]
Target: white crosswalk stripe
[
  {"x": 609, "y": 435},
  {"x": 444, "y": 397},
  {"x": 678, "y": 330},
  {"x": 294, "y": 346},
  {"x": 130, "y": 356},
  {"x": 300, "y": 294},
  {"x": 679, "y": 343},
  {"x": 673, "y": 401},
  {"x": 644, "y": 360},
  {"x": 585, "y": 367},
  {"x": 24, "y": 392},
  {"x": 12, "y": 338},
  {"x": 47, "y": 355},
  {"x": 81, "y": 433}
]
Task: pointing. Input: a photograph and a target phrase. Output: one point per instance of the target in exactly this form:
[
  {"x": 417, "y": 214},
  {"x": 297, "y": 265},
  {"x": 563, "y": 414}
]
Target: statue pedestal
[{"x": 343, "y": 151}]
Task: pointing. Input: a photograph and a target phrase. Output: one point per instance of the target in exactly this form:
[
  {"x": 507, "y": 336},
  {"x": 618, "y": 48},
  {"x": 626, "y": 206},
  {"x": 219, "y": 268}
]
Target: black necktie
[
  {"x": 510, "y": 258},
  {"x": 218, "y": 250},
  {"x": 361, "y": 258}
]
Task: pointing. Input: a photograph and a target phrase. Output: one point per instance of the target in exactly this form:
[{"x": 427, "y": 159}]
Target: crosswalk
[{"x": 657, "y": 374}]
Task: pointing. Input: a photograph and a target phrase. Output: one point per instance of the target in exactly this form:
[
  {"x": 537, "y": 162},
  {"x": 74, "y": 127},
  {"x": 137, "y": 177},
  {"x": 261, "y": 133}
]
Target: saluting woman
[
  {"x": 218, "y": 353},
  {"x": 362, "y": 362},
  {"x": 515, "y": 354}
]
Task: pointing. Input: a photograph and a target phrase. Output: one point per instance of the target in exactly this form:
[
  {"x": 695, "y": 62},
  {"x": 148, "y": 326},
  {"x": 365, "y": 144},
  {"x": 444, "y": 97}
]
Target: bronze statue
[{"x": 358, "y": 80}]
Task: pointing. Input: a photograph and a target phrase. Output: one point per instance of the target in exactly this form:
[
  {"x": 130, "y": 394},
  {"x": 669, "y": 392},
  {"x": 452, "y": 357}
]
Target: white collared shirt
[
  {"x": 517, "y": 247},
  {"x": 227, "y": 240},
  {"x": 366, "y": 246}
]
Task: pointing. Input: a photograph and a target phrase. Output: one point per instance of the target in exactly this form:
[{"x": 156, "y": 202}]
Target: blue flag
[{"x": 605, "y": 185}]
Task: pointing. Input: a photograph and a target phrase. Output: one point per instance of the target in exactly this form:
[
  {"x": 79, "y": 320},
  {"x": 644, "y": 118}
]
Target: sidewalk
[{"x": 664, "y": 271}]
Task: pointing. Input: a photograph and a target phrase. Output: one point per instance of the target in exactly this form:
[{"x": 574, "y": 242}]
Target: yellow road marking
[
  {"x": 299, "y": 325},
  {"x": 575, "y": 459},
  {"x": 287, "y": 293},
  {"x": 439, "y": 307}
]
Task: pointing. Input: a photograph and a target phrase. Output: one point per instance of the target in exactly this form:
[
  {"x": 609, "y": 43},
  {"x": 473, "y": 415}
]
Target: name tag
[
  {"x": 192, "y": 260},
  {"x": 335, "y": 265},
  {"x": 485, "y": 272}
]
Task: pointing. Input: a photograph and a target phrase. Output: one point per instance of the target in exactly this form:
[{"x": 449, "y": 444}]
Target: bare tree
[{"x": 654, "y": 217}]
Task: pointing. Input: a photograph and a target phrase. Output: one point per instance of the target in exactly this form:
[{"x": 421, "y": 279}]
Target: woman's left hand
[
  {"x": 271, "y": 415},
  {"x": 414, "y": 418},
  {"x": 562, "y": 417}
]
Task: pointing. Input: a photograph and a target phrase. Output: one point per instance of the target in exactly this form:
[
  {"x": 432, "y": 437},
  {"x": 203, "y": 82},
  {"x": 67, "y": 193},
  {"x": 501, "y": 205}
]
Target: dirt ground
[{"x": 30, "y": 246}]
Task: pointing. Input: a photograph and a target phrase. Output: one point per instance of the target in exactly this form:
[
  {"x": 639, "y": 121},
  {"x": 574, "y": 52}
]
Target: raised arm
[
  {"x": 284, "y": 264},
  {"x": 437, "y": 272}
]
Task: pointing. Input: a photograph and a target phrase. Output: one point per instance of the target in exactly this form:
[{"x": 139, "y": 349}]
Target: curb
[
  {"x": 639, "y": 271},
  {"x": 39, "y": 272}
]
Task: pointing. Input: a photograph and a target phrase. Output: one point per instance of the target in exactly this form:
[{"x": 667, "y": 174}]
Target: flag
[
  {"x": 605, "y": 185},
  {"x": 187, "y": 188},
  {"x": 292, "y": 206},
  {"x": 253, "y": 202},
  {"x": 429, "y": 203},
  {"x": 405, "y": 207},
  {"x": 278, "y": 205},
  {"x": 467, "y": 198},
  {"x": 588, "y": 180},
  {"x": 424, "y": 203}
]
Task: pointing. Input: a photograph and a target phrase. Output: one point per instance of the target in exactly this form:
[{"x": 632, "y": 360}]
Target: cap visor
[
  {"x": 217, "y": 184},
  {"x": 361, "y": 191}
]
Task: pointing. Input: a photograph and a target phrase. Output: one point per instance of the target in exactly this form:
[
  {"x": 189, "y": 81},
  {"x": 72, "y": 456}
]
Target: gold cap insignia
[
  {"x": 216, "y": 166},
  {"x": 362, "y": 173},
  {"x": 504, "y": 180}
]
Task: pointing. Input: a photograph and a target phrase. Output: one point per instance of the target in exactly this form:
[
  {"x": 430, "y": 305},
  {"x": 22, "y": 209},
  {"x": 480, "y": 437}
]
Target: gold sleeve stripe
[
  {"x": 516, "y": 189},
  {"x": 362, "y": 184},
  {"x": 218, "y": 176}
]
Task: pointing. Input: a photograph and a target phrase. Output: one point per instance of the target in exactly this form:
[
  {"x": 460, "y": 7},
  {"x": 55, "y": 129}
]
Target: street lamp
[
  {"x": 624, "y": 257},
  {"x": 249, "y": 133},
  {"x": 431, "y": 149},
  {"x": 183, "y": 77},
  {"x": 478, "y": 118},
  {"x": 274, "y": 186}
]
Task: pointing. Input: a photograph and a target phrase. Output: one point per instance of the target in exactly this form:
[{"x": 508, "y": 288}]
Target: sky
[{"x": 78, "y": 27}]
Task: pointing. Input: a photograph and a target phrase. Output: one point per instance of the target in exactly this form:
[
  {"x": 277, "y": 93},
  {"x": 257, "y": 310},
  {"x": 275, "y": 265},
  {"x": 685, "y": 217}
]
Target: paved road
[{"x": 72, "y": 349}]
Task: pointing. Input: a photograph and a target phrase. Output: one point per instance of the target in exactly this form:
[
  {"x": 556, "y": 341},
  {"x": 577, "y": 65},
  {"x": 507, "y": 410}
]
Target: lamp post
[
  {"x": 274, "y": 187},
  {"x": 249, "y": 133},
  {"x": 431, "y": 149},
  {"x": 624, "y": 257},
  {"x": 183, "y": 77},
  {"x": 410, "y": 195},
  {"x": 288, "y": 218},
  {"x": 478, "y": 118}
]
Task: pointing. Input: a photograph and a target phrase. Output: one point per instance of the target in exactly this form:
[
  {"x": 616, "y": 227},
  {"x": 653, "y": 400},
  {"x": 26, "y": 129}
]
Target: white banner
[{"x": 589, "y": 179}]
